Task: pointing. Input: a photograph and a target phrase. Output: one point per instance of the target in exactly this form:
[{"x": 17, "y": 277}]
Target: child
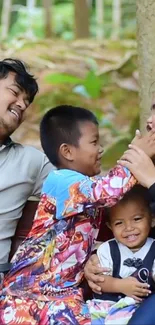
[
  {"x": 43, "y": 286},
  {"x": 130, "y": 257}
]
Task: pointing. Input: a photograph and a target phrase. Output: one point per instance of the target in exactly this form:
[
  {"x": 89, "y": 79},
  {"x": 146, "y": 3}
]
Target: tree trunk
[
  {"x": 30, "y": 4},
  {"x": 5, "y": 19},
  {"x": 81, "y": 12},
  {"x": 116, "y": 19},
  {"x": 47, "y": 9},
  {"x": 146, "y": 52},
  {"x": 100, "y": 18}
]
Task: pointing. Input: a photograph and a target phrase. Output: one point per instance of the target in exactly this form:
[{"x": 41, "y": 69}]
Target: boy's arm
[
  {"x": 130, "y": 287},
  {"x": 85, "y": 192}
]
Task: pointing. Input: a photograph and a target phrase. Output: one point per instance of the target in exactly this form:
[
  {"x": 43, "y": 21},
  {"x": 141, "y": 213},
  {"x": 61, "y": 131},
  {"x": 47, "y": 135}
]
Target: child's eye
[
  {"x": 118, "y": 223},
  {"x": 137, "y": 218},
  {"x": 94, "y": 142}
]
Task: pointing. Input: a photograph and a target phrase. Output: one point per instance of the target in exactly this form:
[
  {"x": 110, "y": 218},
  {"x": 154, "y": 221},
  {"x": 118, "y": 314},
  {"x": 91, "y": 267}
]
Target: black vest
[{"x": 142, "y": 273}]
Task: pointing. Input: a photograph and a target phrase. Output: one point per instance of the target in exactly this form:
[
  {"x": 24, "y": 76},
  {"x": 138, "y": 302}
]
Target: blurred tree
[
  {"x": 81, "y": 12},
  {"x": 30, "y": 7},
  {"x": 47, "y": 11},
  {"x": 100, "y": 18},
  {"x": 146, "y": 51},
  {"x": 116, "y": 19},
  {"x": 5, "y": 18}
]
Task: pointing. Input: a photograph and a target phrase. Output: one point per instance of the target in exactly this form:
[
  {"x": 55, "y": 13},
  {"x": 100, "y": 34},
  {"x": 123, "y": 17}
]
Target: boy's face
[
  {"x": 130, "y": 223},
  {"x": 87, "y": 156}
]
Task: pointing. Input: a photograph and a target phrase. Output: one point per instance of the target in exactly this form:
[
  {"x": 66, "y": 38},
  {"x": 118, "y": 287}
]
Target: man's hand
[
  {"x": 140, "y": 165},
  {"x": 131, "y": 287},
  {"x": 146, "y": 142},
  {"x": 94, "y": 273}
]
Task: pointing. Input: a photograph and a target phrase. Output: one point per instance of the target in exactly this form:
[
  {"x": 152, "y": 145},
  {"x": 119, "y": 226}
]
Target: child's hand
[
  {"x": 131, "y": 287},
  {"x": 140, "y": 165},
  {"x": 146, "y": 142}
]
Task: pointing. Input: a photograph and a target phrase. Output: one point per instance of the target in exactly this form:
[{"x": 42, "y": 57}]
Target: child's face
[
  {"x": 130, "y": 223},
  {"x": 87, "y": 156}
]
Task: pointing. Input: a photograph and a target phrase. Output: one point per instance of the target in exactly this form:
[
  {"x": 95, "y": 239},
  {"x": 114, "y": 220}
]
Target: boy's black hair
[
  {"x": 61, "y": 125},
  {"x": 138, "y": 192},
  {"x": 25, "y": 80}
]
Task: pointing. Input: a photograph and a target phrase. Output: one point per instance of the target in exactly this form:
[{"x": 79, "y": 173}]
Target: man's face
[{"x": 13, "y": 104}]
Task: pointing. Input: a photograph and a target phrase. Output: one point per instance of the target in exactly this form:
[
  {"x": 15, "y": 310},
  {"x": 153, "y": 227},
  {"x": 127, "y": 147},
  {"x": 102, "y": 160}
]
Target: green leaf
[
  {"x": 114, "y": 152},
  {"x": 134, "y": 126},
  {"x": 93, "y": 84},
  {"x": 61, "y": 78}
]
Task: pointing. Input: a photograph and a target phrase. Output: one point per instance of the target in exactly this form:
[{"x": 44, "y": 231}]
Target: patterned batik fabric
[
  {"x": 110, "y": 312},
  {"x": 48, "y": 266}
]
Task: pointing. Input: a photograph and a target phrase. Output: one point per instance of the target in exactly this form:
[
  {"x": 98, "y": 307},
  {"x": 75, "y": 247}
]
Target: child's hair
[
  {"x": 23, "y": 78},
  {"x": 138, "y": 192},
  {"x": 61, "y": 125}
]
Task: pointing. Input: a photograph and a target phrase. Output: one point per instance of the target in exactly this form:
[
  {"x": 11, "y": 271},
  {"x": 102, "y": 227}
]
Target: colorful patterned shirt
[{"x": 52, "y": 258}]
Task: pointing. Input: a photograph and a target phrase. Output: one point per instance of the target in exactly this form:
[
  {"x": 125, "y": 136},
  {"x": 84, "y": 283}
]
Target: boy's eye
[
  {"x": 94, "y": 142},
  {"x": 118, "y": 223},
  {"x": 137, "y": 218}
]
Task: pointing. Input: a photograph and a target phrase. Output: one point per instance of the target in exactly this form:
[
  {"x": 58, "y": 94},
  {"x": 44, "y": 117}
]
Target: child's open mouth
[
  {"x": 131, "y": 238},
  {"x": 148, "y": 127}
]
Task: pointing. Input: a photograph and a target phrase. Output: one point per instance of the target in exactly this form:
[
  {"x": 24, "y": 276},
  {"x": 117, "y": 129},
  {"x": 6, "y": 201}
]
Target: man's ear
[{"x": 66, "y": 151}]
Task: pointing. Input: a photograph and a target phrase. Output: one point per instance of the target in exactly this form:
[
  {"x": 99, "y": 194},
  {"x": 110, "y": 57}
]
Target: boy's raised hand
[
  {"x": 131, "y": 287},
  {"x": 145, "y": 142},
  {"x": 139, "y": 164}
]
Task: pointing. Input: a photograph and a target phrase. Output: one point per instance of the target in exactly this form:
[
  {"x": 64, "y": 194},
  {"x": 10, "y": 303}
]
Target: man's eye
[{"x": 14, "y": 91}]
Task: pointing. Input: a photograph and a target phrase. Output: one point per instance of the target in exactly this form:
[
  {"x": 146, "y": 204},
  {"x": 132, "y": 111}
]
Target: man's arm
[{"x": 44, "y": 170}]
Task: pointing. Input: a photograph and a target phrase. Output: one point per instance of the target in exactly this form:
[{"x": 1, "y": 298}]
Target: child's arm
[
  {"x": 84, "y": 191},
  {"x": 130, "y": 287}
]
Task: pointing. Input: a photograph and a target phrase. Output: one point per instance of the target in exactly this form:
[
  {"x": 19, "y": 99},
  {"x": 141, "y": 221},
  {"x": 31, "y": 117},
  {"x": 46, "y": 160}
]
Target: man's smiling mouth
[{"x": 15, "y": 113}]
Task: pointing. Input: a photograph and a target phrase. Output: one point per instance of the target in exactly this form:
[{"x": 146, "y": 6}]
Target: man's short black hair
[
  {"x": 61, "y": 125},
  {"x": 25, "y": 80}
]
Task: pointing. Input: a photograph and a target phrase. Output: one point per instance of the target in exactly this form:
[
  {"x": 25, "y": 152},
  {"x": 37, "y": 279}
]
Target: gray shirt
[{"x": 22, "y": 172}]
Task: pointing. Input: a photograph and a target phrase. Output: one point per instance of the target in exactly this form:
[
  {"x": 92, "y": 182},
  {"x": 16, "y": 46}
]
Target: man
[{"x": 22, "y": 168}]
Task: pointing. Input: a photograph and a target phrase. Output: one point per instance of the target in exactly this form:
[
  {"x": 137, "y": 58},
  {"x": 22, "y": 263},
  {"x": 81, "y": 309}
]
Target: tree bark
[
  {"x": 146, "y": 53},
  {"x": 47, "y": 11},
  {"x": 81, "y": 12},
  {"x": 100, "y": 18},
  {"x": 116, "y": 19},
  {"x": 5, "y": 18}
]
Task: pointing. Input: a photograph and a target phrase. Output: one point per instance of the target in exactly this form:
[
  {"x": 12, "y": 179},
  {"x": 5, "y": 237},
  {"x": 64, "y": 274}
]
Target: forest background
[{"x": 83, "y": 52}]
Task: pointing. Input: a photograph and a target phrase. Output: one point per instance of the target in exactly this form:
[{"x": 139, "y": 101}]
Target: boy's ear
[
  {"x": 66, "y": 151},
  {"x": 108, "y": 225}
]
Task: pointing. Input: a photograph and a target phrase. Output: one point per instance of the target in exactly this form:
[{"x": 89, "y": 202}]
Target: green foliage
[
  {"x": 114, "y": 152},
  {"x": 60, "y": 78},
  {"x": 90, "y": 86},
  {"x": 63, "y": 19},
  {"x": 62, "y": 22}
]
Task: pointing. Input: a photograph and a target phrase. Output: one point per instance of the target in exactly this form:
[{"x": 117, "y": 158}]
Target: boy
[{"x": 130, "y": 257}]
